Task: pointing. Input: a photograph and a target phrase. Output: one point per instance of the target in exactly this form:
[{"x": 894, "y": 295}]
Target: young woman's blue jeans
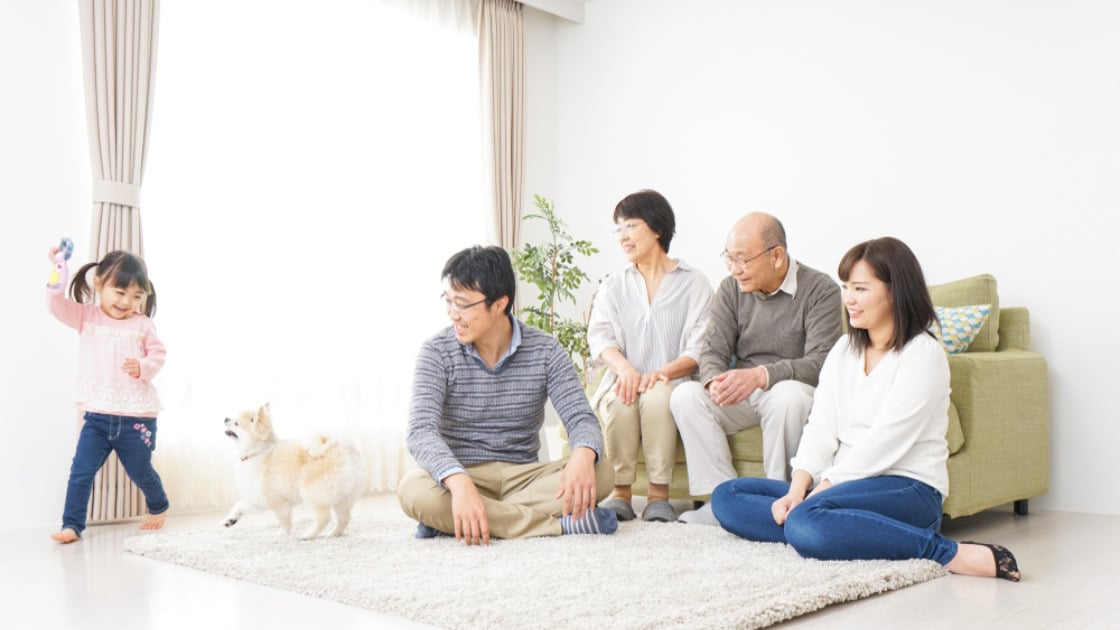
[
  {"x": 881, "y": 518},
  {"x": 133, "y": 439}
]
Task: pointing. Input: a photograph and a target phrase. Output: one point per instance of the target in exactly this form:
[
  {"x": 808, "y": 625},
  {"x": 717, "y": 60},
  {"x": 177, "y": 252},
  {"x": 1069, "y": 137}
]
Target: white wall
[
  {"x": 847, "y": 120},
  {"x": 984, "y": 134},
  {"x": 540, "y": 114},
  {"x": 45, "y": 179}
]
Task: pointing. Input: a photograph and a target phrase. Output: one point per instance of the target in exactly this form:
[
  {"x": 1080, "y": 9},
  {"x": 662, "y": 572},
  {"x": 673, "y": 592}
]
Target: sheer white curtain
[{"x": 312, "y": 166}]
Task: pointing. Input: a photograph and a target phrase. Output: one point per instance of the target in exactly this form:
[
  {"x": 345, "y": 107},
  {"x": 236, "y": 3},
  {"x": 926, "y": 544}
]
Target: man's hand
[
  {"x": 471, "y": 523},
  {"x": 577, "y": 483},
  {"x": 734, "y": 386}
]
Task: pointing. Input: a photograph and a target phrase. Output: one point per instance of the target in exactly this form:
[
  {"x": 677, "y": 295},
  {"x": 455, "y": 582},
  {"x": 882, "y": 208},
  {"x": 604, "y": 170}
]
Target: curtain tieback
[{"x": 116, "y": 192}]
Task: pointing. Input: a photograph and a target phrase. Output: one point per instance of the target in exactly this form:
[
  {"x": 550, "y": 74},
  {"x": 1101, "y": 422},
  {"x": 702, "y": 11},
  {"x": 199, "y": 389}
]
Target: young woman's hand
[
  {"x": 798, "y": 486},
  {"x": 782, "y": 506},
  {"x": 825, "y": 484}
]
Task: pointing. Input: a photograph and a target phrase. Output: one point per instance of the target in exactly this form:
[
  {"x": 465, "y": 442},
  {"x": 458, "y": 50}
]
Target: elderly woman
[
  {"x": 870, "y": 472},
  {"x": 646, "y": 326}
]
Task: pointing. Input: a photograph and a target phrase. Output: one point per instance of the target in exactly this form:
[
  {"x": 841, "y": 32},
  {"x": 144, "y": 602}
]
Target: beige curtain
[
  {"x": 118, "y": 62},
  {"x": 501, "y": 46}
]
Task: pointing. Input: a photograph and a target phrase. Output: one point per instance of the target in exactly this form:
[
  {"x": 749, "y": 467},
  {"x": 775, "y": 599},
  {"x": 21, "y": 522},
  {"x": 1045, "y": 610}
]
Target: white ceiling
[{"x": 567, "y": 9}]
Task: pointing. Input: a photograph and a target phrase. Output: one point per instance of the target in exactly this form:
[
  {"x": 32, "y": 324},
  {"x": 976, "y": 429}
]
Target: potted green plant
[{"x": 551, "y": 267}]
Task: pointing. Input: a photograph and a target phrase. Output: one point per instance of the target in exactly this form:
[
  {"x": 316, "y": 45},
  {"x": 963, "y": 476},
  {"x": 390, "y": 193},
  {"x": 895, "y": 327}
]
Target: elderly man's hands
[{"x": 735, "y": 386}]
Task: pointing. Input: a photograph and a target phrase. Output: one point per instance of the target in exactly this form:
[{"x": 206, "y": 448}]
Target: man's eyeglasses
[
  {"x": 739, "y": 261},
  {"x": 624, "y": 228},
  {"x": 457, "y": 307}
]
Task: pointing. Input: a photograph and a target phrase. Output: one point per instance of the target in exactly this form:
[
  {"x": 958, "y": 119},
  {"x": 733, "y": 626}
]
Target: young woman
[{"x": 870, "y": 475}]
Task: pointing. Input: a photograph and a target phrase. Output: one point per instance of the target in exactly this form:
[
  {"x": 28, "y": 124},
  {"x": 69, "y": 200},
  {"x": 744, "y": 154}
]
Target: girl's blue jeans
[
  {"x": 880, "y": 518},
  {"x": 133, "y": 439}
]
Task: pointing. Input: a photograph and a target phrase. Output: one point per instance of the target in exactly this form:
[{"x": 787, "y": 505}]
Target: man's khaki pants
[{"x": 520, "y": 499}]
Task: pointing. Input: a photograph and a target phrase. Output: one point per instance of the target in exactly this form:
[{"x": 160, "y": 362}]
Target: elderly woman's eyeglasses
[
  {"x": 624, "y": 228},
  {"x": 739, "y": 261}
]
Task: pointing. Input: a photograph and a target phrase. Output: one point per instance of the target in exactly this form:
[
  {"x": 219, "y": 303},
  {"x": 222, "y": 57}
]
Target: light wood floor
[{"x": 1067, "y": 560}]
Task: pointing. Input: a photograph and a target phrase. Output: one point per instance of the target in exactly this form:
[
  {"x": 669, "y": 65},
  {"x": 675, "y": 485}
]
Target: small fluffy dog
[{"x": 279, "y": 474}]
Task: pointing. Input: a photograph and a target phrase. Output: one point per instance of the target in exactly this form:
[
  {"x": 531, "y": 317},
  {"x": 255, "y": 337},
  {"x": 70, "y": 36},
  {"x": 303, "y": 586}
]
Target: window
[{"x": 311, "y": 167}]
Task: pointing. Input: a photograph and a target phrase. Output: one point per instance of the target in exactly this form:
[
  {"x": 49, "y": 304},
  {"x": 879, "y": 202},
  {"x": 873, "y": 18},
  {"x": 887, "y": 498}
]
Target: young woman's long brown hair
[{"x": 895, "y": 265}]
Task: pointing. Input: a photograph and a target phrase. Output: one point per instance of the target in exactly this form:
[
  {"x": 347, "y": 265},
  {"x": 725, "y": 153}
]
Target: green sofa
[{"x": 999, "y": 445}]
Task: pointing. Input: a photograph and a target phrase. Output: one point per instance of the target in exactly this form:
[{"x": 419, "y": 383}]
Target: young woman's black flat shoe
[{"x": 1006, "y": 567}]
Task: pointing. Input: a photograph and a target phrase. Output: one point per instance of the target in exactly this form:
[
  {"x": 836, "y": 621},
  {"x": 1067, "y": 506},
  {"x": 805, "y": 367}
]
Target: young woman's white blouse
[{"x": 890, "y": 422}]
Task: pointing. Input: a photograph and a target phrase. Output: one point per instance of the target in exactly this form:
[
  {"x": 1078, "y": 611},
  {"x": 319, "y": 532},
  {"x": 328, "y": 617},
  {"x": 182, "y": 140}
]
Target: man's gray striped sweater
[{"x": 462, "y": 413}]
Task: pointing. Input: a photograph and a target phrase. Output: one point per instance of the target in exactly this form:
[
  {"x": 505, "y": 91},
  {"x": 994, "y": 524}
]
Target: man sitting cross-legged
[{"x": 477, "y": 408}]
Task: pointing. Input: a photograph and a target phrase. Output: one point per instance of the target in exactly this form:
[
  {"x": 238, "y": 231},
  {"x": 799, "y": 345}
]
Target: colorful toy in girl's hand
[{"x": 57, "y": 278}]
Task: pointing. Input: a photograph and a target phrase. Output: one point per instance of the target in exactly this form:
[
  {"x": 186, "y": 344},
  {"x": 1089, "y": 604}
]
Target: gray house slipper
[
  {"x": 620, "y": 508},
  {"x": 659, "y": 511}
]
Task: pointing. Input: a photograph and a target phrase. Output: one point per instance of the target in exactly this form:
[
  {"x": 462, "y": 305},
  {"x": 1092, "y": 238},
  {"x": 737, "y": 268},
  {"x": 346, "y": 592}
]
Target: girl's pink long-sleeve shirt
[{"x": 103, "y": 385}]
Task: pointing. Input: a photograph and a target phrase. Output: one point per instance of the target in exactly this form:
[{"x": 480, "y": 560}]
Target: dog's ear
[{"x": 264, "y": 419}]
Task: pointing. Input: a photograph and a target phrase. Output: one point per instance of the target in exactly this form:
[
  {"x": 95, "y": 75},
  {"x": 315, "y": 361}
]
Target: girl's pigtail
[
  {"x": 80, "y": 290},
  {"x": 150, "y": 301}
]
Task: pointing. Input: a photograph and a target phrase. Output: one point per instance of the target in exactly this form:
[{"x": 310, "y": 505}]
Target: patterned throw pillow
[{"x": 959, "y": 325}]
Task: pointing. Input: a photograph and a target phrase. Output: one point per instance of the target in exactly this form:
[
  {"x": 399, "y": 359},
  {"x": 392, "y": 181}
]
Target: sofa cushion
[
  {"x": 979, "y": 289},
  {"x": 957, "y": 326},
  {"x": 746, "y": 446}
]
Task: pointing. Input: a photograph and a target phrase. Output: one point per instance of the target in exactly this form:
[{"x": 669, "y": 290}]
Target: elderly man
[{"x": 773, "y": 321}]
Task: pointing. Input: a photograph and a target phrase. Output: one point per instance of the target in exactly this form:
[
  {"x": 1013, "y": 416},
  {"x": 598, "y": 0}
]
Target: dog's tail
[{"x": 319, "y": 445}]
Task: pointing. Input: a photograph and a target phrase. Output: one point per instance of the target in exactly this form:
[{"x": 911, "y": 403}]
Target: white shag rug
[{"x": 645, "y": 575}]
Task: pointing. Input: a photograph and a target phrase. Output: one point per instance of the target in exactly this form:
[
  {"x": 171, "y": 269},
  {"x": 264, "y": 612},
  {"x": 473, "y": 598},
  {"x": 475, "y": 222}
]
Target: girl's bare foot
[
  {"x": 66, "y": 536},
  {"x": 154, "y": 521}
]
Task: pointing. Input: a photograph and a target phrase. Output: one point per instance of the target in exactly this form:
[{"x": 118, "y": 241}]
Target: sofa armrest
[
  {"x": 1014, "y": 329},
  {"x": 1003, "y": 401}
]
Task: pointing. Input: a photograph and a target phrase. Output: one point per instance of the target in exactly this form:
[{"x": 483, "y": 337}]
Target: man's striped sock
[
  {"x": 596, "y": 521},
  {"x": 423, "y": 531}
]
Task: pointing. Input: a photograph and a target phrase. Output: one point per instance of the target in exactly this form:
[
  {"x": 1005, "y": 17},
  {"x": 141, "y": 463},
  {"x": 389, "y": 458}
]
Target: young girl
[{"x": 119, "y": 355}]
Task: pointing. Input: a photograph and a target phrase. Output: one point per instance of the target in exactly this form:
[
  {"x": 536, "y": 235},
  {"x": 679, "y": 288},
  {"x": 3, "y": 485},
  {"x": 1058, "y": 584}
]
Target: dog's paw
[{"x": 230, "y": 522}]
